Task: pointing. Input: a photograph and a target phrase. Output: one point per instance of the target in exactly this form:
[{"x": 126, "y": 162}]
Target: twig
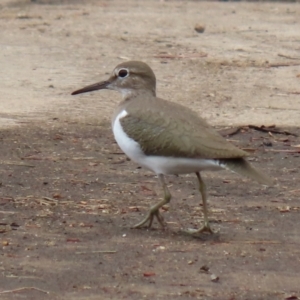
[
  {"x": 262, "y": 242},
  {"x": 50, "y": 199},
  {"x": 294, "y": 191},
  {"x": 47, "y": 201},
  {"x": 279, "y": 65},
  {"x": 24, "y": 288},
  {"x": 249, "y": 149},
  {"x": 230, "y": 131},
  {"x": 271, "y": 129},
  {"x": 119, "y": 161},
  {"x": 16, "y": 164},
  {"x": 103, "y": 252},
  {"x": 83, "y": 158},
  {"x": 181, "y": 55},
  {"x": 289, "y": 57},
  {"x": 283, "y": 150}
]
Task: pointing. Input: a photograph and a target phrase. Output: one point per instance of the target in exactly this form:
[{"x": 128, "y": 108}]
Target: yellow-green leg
[
  {"x": 205, "y": 227},
  {"x": 154, "y": 210}
]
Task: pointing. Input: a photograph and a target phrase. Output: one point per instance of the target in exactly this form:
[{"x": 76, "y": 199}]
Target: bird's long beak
[{"x": 93, "y": 87}]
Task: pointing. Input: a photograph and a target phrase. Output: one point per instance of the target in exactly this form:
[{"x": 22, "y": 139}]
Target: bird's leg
[
  {"x": 205, "y": 227},
  {"x": 154, "y": 210}
]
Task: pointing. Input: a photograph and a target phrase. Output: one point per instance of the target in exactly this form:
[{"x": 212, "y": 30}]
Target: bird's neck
[{"x": 128, "y": 94}]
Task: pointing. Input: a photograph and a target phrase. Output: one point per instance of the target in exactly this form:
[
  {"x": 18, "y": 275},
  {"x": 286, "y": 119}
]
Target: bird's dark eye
[{"x": 123, "y": 73}]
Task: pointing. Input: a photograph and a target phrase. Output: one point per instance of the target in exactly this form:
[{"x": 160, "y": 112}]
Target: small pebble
[
  {"x": 214, "y": 278},
  {"x": 199, "y": 28},
  {"x": 268, "y": 143}
]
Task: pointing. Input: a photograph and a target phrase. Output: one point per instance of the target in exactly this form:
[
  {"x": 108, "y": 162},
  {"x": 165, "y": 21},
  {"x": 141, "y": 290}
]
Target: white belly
[{"x": 159, "y": 164}]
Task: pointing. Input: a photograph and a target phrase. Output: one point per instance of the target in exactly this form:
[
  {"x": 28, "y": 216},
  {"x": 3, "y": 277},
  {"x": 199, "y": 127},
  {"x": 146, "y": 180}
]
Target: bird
[{"x": 167, "y": 137}]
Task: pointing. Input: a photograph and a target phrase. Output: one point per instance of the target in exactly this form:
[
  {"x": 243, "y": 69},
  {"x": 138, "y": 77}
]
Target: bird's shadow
[{"x": 178, "y": 233}]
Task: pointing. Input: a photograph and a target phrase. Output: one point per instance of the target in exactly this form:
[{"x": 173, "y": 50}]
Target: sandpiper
[{"x": 166, "y": 137}]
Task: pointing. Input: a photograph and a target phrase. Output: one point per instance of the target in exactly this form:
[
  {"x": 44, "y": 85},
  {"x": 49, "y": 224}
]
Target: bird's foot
[
  {"x": 204, "y": 229},
  {"x": 149, "y": 218}
]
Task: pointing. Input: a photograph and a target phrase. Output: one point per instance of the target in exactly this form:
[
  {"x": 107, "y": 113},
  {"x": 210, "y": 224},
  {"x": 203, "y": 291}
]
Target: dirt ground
[{"x": 68, "y": 196}]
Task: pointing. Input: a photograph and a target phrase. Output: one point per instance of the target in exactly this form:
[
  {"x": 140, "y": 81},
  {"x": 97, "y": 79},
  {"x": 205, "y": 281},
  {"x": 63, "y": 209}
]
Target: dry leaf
[
  {"x": 149, "y": 274},
  {"x": 56, "y": 196},
  {"x": 73, "y": 240}
]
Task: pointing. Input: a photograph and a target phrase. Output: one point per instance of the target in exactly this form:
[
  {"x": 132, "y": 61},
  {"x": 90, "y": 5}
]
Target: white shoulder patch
[{"x": 129, "y": 146}]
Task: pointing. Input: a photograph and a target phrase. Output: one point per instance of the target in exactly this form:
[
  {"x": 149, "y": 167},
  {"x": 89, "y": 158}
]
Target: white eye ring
[{"x": 123, "y": 73}]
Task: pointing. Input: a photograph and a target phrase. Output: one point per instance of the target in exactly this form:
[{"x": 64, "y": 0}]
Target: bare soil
[{"x": 68, "y": 196}]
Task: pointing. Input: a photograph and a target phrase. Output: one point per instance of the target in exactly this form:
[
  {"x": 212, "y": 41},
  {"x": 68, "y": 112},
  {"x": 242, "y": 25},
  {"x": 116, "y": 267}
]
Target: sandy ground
[
  {"x": 250, "y": 73},
  {"x": 68, "y": 196}
]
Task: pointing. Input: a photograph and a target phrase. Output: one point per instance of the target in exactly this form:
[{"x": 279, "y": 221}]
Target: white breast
[
  {"x": 158, "y": 164},
  {"x": 130, "y": 147}
]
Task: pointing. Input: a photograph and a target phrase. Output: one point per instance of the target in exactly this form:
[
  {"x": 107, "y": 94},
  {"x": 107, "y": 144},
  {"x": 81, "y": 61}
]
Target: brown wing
[{"x": 164, "y": 128}]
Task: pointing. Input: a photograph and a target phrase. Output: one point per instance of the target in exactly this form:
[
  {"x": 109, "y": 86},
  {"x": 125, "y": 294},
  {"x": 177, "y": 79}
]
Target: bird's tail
[{"x": 243, "y": 167}]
